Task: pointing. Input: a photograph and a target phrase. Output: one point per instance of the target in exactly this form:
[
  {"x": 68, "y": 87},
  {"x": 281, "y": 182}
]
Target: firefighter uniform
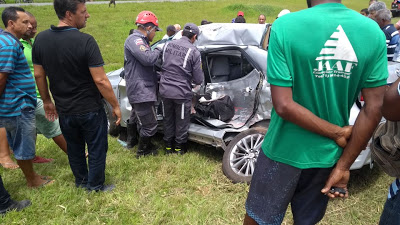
[
  {"x": 141, "y": 82},
  {"x": 181, "y": 67}
]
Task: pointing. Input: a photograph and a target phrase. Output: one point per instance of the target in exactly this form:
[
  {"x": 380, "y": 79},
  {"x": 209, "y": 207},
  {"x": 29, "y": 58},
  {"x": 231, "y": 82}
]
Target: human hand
[
  {"x": 50, "y": 111},
  {"x": 343, "y": 136},
  {"x": 117, "y": 113},
  {"x": 339, "y": 179}
]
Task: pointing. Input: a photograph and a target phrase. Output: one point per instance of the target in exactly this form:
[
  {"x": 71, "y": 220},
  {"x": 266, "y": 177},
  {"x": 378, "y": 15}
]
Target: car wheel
[
  {"x": 241, "y": 154},
  {"x": 113, "y": 129}
]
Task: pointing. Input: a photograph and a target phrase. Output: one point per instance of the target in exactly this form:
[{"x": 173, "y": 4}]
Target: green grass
[{"x": 167, "y": 189}]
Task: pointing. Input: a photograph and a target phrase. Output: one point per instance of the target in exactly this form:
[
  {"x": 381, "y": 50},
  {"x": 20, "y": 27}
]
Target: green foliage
[{"x": 253, "y": 10}]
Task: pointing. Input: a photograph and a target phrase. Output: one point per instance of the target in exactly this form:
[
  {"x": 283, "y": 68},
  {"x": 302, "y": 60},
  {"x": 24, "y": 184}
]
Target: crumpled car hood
[{"x": 231, "y": 34}]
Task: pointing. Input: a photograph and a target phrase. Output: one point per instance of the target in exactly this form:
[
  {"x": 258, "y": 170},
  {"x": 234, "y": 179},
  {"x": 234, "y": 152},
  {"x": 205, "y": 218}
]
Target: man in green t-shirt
[
  {"x": 50, "y": 129},
  {"x": 316, "y": 76}
]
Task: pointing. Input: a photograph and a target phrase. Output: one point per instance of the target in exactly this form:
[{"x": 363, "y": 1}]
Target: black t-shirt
[{"x": 66, "y": 54}]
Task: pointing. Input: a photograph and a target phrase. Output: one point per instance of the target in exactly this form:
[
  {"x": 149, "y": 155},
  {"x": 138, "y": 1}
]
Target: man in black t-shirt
[{"x": 74, "y": 66}]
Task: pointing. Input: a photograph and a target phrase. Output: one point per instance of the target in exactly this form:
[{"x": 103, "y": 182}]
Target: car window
[{"x": 226, "y": 66}]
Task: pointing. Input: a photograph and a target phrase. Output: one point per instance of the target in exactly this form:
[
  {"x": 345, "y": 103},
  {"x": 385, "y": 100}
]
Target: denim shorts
[
  {"x": 48, "y": 128},
  {"x": 274, "y": 185},
  {"x": 21, "y": 133}
]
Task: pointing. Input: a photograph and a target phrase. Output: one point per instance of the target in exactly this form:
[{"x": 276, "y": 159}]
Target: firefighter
[
  {"x": 141, "y": 82},
  {"x": 181, "y": 67}
]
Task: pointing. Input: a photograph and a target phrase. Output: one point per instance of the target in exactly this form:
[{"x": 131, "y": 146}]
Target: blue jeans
[
  {"x": 391, "y": 211},
  {"x": 5, "y": 199},
  {"x": 91, "y": 129}
]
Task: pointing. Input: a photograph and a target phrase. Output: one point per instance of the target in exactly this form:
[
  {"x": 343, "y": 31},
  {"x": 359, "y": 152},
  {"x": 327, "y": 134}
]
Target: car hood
[{"x": 231, "y": 34}]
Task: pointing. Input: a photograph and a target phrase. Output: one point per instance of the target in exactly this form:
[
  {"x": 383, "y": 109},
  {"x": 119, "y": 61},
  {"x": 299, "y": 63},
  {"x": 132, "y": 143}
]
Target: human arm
[
  {"x": 41, "y": 83},
  {"x": 3, "y": 81},
  {"x": 365, "y": 124},
  {"x": 397, "y": 25},
  {"x": 198, "y": 75},
  {"x": 287, "y": 109},
  {"x": 391, "y": 103},
  {"x": 104, "y": 86},
  {"x": 141, "y": 52}
]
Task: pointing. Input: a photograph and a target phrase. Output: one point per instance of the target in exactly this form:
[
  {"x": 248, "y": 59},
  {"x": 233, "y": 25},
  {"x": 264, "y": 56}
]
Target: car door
[{"x": 229, "y": 71}]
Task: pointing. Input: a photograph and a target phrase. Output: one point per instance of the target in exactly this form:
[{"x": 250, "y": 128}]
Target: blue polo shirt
[
  {"x": 392, "y": 38},
  {"x": 19, "y": 92}
]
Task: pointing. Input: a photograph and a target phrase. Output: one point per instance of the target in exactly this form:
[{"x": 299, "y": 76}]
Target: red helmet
[{"x": 147, "y": 17}]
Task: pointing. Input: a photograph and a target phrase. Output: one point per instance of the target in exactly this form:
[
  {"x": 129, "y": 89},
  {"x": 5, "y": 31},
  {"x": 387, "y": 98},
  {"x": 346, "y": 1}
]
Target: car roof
[{"x": 239, "y": 34}]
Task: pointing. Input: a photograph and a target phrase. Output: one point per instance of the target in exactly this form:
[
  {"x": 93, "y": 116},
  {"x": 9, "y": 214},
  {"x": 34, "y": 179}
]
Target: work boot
[
  {"x": 180, "y": 148},
  {"x": 146, "y": 147},
  {"x": 169, "y": 146},
  {"x": 131, "y": 139}
]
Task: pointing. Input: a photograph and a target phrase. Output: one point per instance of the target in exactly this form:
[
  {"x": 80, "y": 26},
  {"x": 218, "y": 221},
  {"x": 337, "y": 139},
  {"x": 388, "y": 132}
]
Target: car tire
[
  {"x": 113, "y": 129},
  {"x": 240, "y": 156}
]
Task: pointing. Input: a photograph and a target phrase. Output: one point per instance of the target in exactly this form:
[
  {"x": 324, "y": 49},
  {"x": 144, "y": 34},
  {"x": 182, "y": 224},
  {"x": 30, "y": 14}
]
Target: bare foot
[
  {"x": 7, "y": 163},
  {"x": 38, "y": 181}
]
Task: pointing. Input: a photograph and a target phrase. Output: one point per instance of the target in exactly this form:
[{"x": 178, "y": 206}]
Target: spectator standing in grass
[
  {"x": 177, "y": 27},
  {"x": 337, "y": 64},
  {"x": 17, "y": 94},
  {"x": 74, "y": 66},
  {"x": 384, "y": 19},
  {"x": 111, "y": 2},
  {"x": 261, "y": 19},
  {"x": 141, "y": 80},
  {"x": 50, "y": 129},
  {"x": 240, "y": 18},
  {"x": 181, "y": 67},
  {"x": 375, "y": 7},
  {"x": 364, "y": 12},
  {"x": 171, "y": 31}
]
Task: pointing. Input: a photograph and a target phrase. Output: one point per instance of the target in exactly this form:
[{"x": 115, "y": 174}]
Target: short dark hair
[
  {"x": 62, "y": 6},
  {"x": 187, "y": 33},
  {"x": 144, "y": 26},
  {"x": 10, "y": 13},
  {"x": 240, "y": 19},
  {"x": 365, "y": 11}
]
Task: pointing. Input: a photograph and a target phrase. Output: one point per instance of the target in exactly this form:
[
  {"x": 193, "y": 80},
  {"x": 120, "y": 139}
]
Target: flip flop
[
  {"x": 46, "y": 178},
  {"x": 39, "y": 159},
  {"x": 10, "y": 165},
  {"x": 46, "y": 183}
]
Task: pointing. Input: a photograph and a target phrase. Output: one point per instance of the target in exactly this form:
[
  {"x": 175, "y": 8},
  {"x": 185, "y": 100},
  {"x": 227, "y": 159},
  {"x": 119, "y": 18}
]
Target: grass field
[{"x": 167, "y": 189}]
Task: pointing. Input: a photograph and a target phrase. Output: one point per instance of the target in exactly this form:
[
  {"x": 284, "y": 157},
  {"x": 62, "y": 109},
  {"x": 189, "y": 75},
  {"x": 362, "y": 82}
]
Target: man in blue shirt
[
  {"x": 17, "y": 94},
  {"x": 383, "y": 18},
  {"x": 17, "y": 102}
]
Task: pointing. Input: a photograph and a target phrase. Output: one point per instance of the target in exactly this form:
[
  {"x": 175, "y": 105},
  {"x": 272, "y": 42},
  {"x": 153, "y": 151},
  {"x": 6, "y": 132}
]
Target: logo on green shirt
[{"x": 337, "y": 58}]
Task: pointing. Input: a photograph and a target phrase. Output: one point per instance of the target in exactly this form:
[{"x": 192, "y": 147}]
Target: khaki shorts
[{"x": 43, "y": 126}]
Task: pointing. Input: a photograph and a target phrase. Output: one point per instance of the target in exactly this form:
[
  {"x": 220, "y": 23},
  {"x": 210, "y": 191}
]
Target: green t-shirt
[
  {"x": 28, "y": 56},
  {"x": 327, "y": 54}
]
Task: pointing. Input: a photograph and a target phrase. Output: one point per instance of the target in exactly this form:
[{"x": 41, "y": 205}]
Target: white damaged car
[{"x": 234, "y": 61}]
